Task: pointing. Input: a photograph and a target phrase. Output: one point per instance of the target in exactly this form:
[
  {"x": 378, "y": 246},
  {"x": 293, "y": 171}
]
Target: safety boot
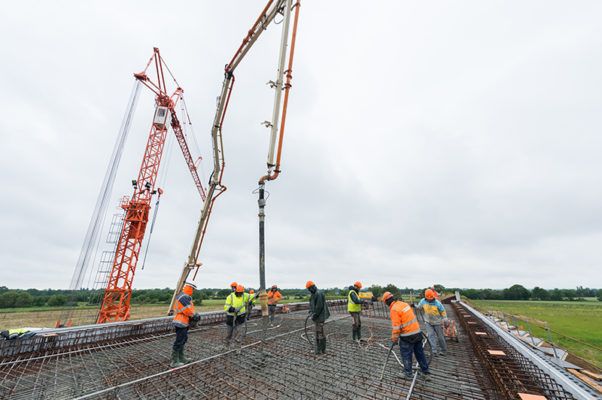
[
  {"x": 354, "y": 333},
  {"x": 175, "y": 359},
  {"x": 359, "y": 333},
  {"x": 183, "y": 358},
  {"x": 318, "y": 346},
  {"x": 323, "y": 346}
]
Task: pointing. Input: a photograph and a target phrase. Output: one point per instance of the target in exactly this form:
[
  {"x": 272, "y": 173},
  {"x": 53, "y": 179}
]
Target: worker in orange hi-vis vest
[
  {"x": 274, "y": 296},
  {"x": 184, "y": 316},
  {"x": 405, "y": 331}
]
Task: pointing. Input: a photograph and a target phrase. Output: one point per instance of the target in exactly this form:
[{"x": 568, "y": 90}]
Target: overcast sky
[{"x": 427, "y": 142}]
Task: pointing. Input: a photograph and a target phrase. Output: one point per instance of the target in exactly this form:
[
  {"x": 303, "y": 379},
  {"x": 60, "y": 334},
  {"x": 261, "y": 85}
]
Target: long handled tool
[{"x": 382, "y": 374}]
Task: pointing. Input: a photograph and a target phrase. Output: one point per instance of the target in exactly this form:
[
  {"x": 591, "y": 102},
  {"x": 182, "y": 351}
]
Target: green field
[
  {"x": 39, "y": 317},
  {"x": 576, "y": 326}
]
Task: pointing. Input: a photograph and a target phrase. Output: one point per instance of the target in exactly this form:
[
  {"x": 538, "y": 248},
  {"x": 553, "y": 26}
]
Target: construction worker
[
  {"x": 233, "y": 286},
  {"x": 17, "y": 333},
  {"x": 274, "y": 297},
  {"x": 236, "y": 308},
  {"x": 251, "y": 303},
  {"x": 354, "y": 306},
  {"x": 318, "y": 310},
  {"x": 434, "y": 315},
  {"x": 184, "y": 315},
  {"x": 406, "y": 332}
]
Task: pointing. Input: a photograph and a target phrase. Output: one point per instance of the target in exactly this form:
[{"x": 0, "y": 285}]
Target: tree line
[{"x": 11, "y": 298}]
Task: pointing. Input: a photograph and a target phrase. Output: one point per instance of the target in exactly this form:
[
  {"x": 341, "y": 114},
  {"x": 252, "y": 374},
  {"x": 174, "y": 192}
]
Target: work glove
[
  {"x": 231, "y": 309},
  {"x": 314, "y": 317}
]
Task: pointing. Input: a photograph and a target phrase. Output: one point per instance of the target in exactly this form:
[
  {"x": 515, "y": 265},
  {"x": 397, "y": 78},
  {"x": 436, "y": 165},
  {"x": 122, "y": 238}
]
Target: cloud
[{"x": 456, "y": 144}]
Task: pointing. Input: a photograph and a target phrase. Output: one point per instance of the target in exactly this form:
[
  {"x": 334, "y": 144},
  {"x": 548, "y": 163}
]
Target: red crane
[{"x": 115, "y": 305}]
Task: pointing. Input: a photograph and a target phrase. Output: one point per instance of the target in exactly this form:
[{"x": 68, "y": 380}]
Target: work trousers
[
  {"x": 357, "y": 321},
  {"x": 181, "y": 338},
  {"x": 233, "y": 323},
  {"x": 272, "y": 310},
  {"x": 409, "y": 345},
  {"x": 319, "y": 330},
  {"x": 436, "y": 338}
]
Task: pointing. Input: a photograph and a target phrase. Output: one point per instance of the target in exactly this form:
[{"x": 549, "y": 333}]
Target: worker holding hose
[
  {"x": 406, "y": 332},
  {"x": 236, "y": 308},
  {"x": 318, "y": 310},
  {"x": 354, "y": 306},
  {"x": 184, "y": 316}
]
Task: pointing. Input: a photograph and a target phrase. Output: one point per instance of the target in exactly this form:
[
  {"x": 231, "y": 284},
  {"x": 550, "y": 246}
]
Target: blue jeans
[{"x": 409, "y": 345}]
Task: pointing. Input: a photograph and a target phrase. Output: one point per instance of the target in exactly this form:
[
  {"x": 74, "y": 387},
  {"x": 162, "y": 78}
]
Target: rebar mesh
[{"x": 282, "y": 367}]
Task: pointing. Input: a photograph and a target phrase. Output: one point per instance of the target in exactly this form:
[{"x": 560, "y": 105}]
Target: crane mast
[
  {"x": 115, "y": 304},
  {"x": 272, "y": 9}
]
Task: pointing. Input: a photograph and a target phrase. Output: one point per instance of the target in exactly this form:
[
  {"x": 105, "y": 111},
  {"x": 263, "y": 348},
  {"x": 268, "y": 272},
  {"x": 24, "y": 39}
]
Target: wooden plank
[
  {"x": 591, "y": 374},
  {"x": 586, "y": 379}
]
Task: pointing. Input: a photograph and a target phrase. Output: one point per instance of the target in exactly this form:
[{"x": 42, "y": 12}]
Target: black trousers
[
  {"x": 319, "y": 330},
  {"x": 181, "y": 338},
  {"x": 233, "y": 323}
]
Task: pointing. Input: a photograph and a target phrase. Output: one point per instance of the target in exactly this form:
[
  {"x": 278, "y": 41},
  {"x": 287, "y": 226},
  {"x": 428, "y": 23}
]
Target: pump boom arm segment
[{"x": 216, "y": 188}]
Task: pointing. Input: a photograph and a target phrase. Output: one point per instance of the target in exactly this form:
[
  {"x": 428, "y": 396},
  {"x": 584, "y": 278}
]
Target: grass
[
  {"x": 576, "y": 326},
  {"x": 39, "y": 317}
]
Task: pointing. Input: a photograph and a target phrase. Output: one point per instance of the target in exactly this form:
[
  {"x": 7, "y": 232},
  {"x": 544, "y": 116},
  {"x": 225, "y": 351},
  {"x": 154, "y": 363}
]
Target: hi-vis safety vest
[
  {"x": 351, "y": 306},
  {"x": 238, "y": 302},
  {"x": 273, "y": 297},
  {"x": 403, "y": 319},
  {"x": 184, "y": 309}
]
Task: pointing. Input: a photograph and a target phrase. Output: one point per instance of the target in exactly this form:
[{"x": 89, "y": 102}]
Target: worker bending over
[
  {"x": 318, "y": 309},
  {"x": 184, "y": 315},
  {"x": 434, "y": 315},
  {"x": 236, "y": 308},
  {"x": 354, "y": 306},
  {"x": 406, "y": 332},
  {"x": 274, "y": 297}
]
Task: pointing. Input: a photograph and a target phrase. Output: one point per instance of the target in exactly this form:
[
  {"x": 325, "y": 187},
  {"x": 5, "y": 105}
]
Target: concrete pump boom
[{"x": 216, "y": 188}]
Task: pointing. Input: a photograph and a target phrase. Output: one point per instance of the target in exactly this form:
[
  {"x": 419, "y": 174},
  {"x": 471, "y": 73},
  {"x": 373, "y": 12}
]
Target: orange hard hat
[
  {"x": 429, "y": 294},
  {"x": 233, "y": 284},
  {"x": 386, "y": 296},
  {"x": 188, "y": 288},
  {"x": 358, "y": 284},
  {"x": 309, "y": 284},
  {"x": 274, "y": 287},
  {"x": 240, "y": 288},
  {"x": 251, "y": 291}
]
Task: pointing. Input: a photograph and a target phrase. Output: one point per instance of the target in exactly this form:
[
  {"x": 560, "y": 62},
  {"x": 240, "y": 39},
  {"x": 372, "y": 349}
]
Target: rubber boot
[
  {"x": 359, "y": 333},
  {"x": 175, "y": 359},
  {"x": 318, "y": 346},
  {"x": 182, "y": 357},
  {"x": 323, "y": 346},
  {"x": 354, "y": 333}
]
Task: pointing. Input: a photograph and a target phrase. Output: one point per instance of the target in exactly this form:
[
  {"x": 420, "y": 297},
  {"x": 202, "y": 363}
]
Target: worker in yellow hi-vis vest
[{"x": 354, "y": 306}]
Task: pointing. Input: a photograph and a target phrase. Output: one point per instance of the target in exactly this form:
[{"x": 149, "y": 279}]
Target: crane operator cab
[{"x": 160, "y": 119}]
